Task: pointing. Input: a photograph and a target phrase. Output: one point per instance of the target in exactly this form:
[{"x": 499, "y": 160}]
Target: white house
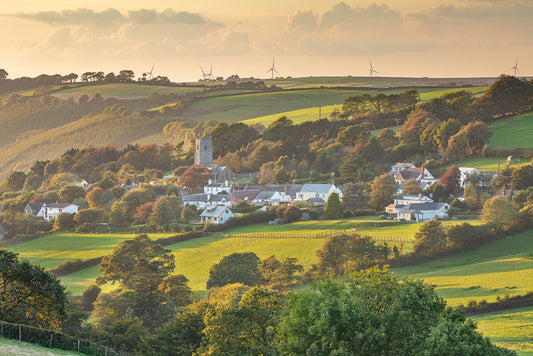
[
  {"x": 398, "y": 167},
  {"x": 216, "y": 215},
  {"x": 52, "y": 210},
  {"x": 421, "y": 212},
  {"x": 422, "y": 174},
  {"x": 203, "y": 201},
  {"x": 323, "y": 191},
  {"x": 271, "y": 198},
  {"x": 215, "y": 188},
  {"x": 411, "y": 199},
  {"x": 33, "y": 208},
  {"x": 465, "y": 172}
]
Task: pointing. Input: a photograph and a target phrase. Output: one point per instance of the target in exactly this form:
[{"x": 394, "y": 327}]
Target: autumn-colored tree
[
  {"x": 430, "y": 238},
  {"x": 280, "y": 275},
  {"x": 143, "y": 212},
  {"x": 383, "y": 190},
  {"x": 412, "y": 187},
  {"x": 500, "y": 211},
  {"x": 451, "y": 179},
  {"x": 195, "y": 176}
]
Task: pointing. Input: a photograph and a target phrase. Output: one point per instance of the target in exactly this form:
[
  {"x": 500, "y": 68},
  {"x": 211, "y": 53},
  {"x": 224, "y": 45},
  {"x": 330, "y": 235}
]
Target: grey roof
[
  {"x": 289, "y": 189},
  {"x": 411, "y": 197},
  {"x": 411, "y": 173},
  {"x": 215, "y": 185},
  {"x": 238, "y": 195},
  {"x": 215, "y": 211},
  {"x": 426, "y": 206},
  {"x": 57, "y": 205},
  {"x": 195, "y": 197},
  {"x": 316, "y": 188},
  {"x": 35, "y": 206},
  {"x": 264, "y": 196}
]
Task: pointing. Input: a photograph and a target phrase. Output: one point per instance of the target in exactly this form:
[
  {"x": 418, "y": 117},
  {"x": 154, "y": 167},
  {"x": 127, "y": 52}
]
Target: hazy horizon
[{"x": 460, "y": 38}]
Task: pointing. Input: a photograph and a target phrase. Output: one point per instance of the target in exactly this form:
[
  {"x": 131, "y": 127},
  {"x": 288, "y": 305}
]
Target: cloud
[
  {"x": 109, "y": 16},
  {"x": 113, "y": 16},
  {"x": 346, "y": 31}
]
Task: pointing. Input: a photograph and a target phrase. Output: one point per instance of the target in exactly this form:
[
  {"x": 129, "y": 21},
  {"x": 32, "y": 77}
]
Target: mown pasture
[
  {"x": 196, "y": 256},
  {"x": 513, "y": 132},
  {"x": 488, "y": 163},
  {"x": 316, "y": 112},
  {"x": 12, "y": 347},
  {"x": 512, "y": 329},
  {"x": 492, "y": 270},
  {"x": 53, "y": 249},
  {"x": 125, "y": 90},
  {"x": 249, "y": 106}
]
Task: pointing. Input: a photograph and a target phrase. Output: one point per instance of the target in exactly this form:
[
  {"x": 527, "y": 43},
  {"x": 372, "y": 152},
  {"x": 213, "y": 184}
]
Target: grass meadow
[
  {"x": 512, "y": 329},
  {"x": 16, "y": 348},
  {"x": 492, "y": 270},
  {"x": 125, "y": 91},
  {"x": 487, "y": 163},
  {"x": 53, "y": 249},
  {"x": 513, "y": 132}
]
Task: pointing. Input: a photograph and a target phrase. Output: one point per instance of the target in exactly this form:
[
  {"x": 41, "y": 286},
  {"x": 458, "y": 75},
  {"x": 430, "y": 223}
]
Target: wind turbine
[
  {"x": 149, "y": 74},
  {"x": 515, "y": 68},
  {"x": 372, "y": 71},
  {"x": 207, "y": 76},
  {"x": 273, "y": 69}
]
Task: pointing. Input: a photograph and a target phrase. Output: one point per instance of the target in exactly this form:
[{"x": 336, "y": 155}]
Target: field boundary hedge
[
  {"x": 56, "y": 340},
  {"x": 303, "y": 235}
]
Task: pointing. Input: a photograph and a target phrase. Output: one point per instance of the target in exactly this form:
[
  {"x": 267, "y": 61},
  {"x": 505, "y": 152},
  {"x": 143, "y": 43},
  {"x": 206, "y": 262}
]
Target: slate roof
[
  {"x": 426, "y": 206},
  {"x": 57, "y": 205},
  {"x": 264, "y": 196},
  {"x": 215, "y": 211},
  {"x": 411, "y": 173},
  {"x": 316, "y": 188},
  {"x": 195, "y": 197},
  {"x": 238, "y": 195},
  {"x": 35, "y": 207}
]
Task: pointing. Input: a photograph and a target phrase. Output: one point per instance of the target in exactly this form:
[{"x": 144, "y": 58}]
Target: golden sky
[{"x": 313, "y": 37}]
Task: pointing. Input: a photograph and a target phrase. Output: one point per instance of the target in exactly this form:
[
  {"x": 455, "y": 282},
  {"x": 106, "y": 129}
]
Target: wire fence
[
  {"x": 55, "y": 340},
  {"x": 310, "y": 235}
]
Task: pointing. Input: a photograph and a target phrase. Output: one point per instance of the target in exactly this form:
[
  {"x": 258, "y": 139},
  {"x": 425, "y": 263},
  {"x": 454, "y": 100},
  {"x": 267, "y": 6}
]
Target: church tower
[{"x": 203, "y": 151}]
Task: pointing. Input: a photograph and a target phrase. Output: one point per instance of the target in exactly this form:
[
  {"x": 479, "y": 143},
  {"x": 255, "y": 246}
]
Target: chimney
[{"x": 422, "y": 171}]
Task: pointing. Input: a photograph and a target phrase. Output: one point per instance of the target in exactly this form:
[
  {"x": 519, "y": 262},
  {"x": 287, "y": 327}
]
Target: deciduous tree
[
  {"x": 235, "y": 268},
  {"x": 383, "y": 190}
]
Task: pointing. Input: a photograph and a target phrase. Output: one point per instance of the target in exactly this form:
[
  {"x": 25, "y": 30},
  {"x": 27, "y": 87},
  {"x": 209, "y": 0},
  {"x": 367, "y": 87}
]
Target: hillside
[{"x": 36, "y": 127}]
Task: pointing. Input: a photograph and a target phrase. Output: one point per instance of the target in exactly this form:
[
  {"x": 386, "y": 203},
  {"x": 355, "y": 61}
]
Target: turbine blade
[{"x": 276, "y": 72}]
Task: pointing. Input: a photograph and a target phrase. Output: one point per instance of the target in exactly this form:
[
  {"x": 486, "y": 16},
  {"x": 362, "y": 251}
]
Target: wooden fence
[
  {"x": 308, "y": 235},
  {"x": 56, "y": 340}
]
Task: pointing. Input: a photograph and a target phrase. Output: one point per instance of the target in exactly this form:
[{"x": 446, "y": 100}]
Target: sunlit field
[
  {"x": 511, "y": 329},
  {"x": 513, "y": 132}
]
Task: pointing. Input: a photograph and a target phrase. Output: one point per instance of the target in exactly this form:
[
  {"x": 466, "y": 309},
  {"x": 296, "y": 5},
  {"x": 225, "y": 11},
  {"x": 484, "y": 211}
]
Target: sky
[{"x": 402, "y": 38}]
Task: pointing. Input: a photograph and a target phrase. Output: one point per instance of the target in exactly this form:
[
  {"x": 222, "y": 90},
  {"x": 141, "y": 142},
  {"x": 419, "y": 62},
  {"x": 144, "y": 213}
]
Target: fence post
[
  {"x": 51, "y": 335},
  {"x": 78, "y": 345},
  {"x": 20, "y": 333}
]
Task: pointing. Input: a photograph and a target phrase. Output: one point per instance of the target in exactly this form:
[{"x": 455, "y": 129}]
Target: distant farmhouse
[
  {"x": 402, "y": 172},
  {"x": 417, "y": 208},
  {"x": 49, "y": 211}
]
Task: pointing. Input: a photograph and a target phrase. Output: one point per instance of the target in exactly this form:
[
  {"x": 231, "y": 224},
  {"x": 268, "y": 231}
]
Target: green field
[
  {"x": 297, "y": 116},
  {"x": 53, "y": 249},
  {"x": 15, "y": 348},
  {"x": 379, "y": 82},
  {"x": 492, "y": 270},
  {"x": 512, "y": 329},
  {"x": 118, "y": 90},
  {"x": 251, "y": 106},
  {"x": 487, "y": 163},
  {"x": 513, "y": 132}
]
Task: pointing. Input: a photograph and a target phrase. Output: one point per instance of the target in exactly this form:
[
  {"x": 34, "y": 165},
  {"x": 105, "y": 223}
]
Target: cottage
[
  {"x": 422, "y": 174},
  {"x": 411, "y": 199},
  {"x": 421, "y": 212},
  {"x": 216, "y": 188},
  {"x": 33, "y": 208},
  {"x": 246, "y": 194},
  {"x": 216, "y": 215},
  {"x": 203, "y": 201},
  {"x": 52, "y": 210},
  {"x": 322, "y": 191},
  {"x": 465, "y": 172},
  {"x": 270, "y": 198}
]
